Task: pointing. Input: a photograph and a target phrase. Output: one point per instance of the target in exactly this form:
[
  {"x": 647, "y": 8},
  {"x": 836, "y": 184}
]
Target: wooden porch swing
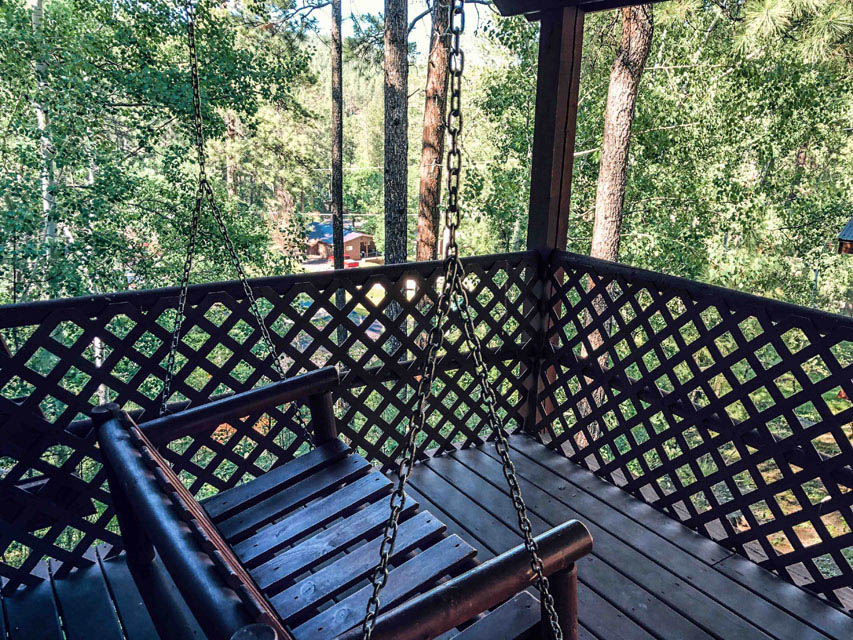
[{"x": 230, "y": 557}]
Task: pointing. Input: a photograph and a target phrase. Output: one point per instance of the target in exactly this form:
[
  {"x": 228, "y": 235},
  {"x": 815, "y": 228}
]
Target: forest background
[{"x": 738, "y": 162}]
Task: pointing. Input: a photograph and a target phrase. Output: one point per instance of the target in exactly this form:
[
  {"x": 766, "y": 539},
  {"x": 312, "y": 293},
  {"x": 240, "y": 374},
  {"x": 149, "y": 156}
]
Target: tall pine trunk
[
  {"x": 337, "y": 185},
  {"x": 432, "y": 149},
  {"x": 396, "y": 127},
  {"x": 618, "y": 118},
  {"x": 631, "y": 55}
]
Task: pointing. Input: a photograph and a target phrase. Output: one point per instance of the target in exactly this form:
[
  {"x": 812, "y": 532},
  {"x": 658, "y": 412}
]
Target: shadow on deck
[{"x": 648, "y": 576}]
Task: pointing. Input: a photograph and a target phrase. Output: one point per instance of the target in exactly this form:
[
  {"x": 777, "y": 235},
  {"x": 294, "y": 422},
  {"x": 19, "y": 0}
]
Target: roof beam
[{"x": 534, "y": 8}]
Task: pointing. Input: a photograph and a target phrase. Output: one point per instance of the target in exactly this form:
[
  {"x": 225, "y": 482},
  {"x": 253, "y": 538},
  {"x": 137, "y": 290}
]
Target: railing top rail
[
  {"x": 776, "y": 310},
  {"x": 15, "y": 315}
]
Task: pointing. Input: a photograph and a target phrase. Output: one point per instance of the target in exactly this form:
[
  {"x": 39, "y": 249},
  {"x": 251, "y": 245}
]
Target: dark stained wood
[
  {"x": 636, "y": 521},
  {"x": 517, "y": 618},
  {"x": 679, "y": 584},
  {"x": 318, "y": 548},
  {"x": 210, "y": 415},
  {"x": 227, "y": 503},
  {"x": 304, "y": 522},
  {"x": 555, "y": 125},
  {"x": 459, "y": 599},
  {"x": 135, "y": 620},
  {"x": 323, "y": 411},
  {"x": 31, "y": 613},
  {"x": 86, "y": 606},
  {"x": 642, "y": 604},
  {"x": 534, "y": 8},
  {"x": 320, "y": 483},
  {"x": 352, "y": 567},
  {"x": 616, "y": 554},
  {"x": 413, "y": 575},
  {"x": 491, "y": 536}
]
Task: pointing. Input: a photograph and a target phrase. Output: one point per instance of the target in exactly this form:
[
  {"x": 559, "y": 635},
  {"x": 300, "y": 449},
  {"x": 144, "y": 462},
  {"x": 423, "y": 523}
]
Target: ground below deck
[{"x": 648, "y": 576}]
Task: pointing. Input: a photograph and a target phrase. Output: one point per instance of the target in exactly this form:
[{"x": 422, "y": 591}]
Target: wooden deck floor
[
  {"x": 100, "y": 602},
  {"x": 648, "y": 576}
]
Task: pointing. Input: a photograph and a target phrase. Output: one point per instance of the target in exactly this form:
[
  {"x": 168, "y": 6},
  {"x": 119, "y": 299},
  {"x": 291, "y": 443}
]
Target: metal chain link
[
  {"x": 454, "y": 275},
  {"x": 205, "y": 192}
]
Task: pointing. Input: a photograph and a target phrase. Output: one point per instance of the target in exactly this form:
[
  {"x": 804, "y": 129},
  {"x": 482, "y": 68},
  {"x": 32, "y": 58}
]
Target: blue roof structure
[
  {"x": 322, "y": 231},
  {"x": 846, "y": 234}
]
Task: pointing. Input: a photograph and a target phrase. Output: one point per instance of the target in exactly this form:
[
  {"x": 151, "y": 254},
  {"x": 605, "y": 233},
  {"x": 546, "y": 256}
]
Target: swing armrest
[
  {"x": 314, "y": 386},
  {"x": 487, "y": 585}
]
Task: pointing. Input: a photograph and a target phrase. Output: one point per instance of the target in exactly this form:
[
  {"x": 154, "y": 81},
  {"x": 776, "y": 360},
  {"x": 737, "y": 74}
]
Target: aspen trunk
[
  {"x": 396, "y": 127},
  {"x": 230, "y": 161},
  {"x": 432, "y": 149},
  {"x": 48, "y": 161},
  {"x": 618, "y": 118}
]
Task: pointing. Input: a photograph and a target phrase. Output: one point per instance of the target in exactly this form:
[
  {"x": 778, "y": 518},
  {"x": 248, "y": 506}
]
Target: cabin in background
[{"x": 357, "y": 244}]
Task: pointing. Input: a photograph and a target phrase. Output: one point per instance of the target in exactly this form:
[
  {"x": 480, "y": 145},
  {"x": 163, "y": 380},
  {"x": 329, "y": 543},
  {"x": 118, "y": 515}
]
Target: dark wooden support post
[
  {"x": 564, "y": 589},
  {"x": 555, "y": 125},
  {"x": 323, "y": 420}
]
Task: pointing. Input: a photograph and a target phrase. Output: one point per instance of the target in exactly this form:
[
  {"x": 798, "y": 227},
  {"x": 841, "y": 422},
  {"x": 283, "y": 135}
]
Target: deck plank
[
  {"x": 31, "y": 613},
  {"x": 85, "y": 605},
  {"x": 776, "y": 605},
  {"x": 640, "y": 603},
  {"x": 135, "y": 619},
  {"x": 633, "y": 550},
  {"x": 595, "y": 614}
]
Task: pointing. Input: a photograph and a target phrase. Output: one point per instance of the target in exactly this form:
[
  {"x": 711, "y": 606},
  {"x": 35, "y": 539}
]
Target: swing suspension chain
[
  {"x": 453, "y": 290},
  {"x": 204, "y": 191}
]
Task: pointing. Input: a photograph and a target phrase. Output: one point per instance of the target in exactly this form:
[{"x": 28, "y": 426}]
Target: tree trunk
[
  {"x": 618, "y": 117},
  {"x": 46, "y": 149},
  {"x": 610, "y": 196},
  {"x": 230, "y": 143},
  {"x": 337, "y": 155},
  {"x": 396, "y": 128},
  {"x": 432, "y": 149}
]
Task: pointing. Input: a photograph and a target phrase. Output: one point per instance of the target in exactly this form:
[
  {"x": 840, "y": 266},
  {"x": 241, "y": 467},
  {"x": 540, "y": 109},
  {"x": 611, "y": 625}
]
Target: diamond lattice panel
[
  {"x": 59, "y": 358},
  {"x": 724, "y": 410}
]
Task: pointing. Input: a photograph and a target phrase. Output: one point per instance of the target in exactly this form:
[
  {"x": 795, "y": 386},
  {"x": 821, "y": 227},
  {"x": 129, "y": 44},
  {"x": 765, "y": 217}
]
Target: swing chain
[
  {"x": 398, "y": 498},
  {"x": 456, "y": 65},
  {"x": 453, "y": 290},
  {"x": 498, "y": 427},
  {"x": 205, "y": 191}
]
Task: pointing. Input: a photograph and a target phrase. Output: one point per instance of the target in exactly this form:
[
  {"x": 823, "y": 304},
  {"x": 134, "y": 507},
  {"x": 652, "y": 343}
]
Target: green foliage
[{"x": 113, "y": 82}]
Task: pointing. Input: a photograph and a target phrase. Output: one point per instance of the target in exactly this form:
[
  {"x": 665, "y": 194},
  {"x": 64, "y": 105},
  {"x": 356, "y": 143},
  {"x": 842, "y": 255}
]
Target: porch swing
[{"x": 292, "y": 553}]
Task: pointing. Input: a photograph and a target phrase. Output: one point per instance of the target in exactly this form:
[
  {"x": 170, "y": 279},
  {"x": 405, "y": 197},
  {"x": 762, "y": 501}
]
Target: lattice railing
[
  {"x": 719, "y": 408},
  {"x": 59, "y": 358},
  {"x": 722, "y": 409}
]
